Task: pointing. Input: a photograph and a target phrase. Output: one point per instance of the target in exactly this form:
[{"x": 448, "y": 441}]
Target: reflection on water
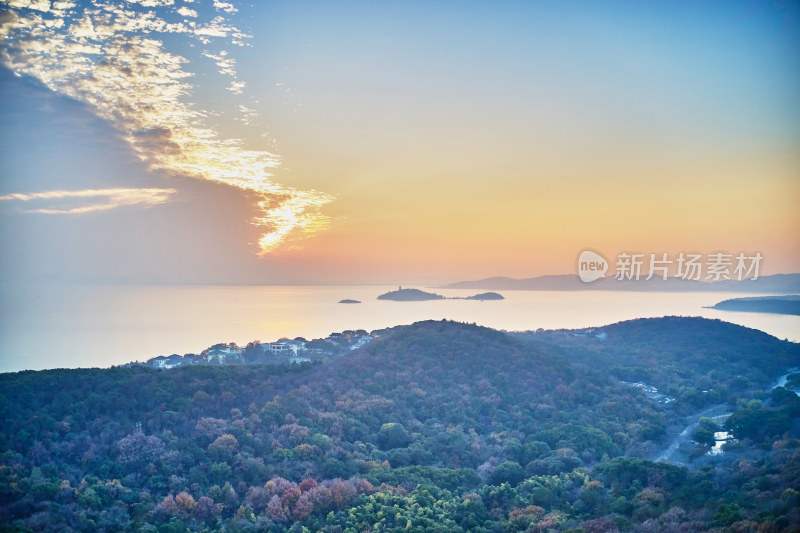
[
  {"x": 58, "y": 326},
  {"x": 721, "y": 437}
]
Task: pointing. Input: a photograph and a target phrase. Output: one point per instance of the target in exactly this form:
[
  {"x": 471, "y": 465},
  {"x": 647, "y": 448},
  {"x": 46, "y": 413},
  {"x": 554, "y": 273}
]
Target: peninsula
[{"x": 781, "y": 305}]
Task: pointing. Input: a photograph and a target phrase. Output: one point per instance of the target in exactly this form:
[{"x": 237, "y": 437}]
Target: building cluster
[{"x": 283, "y": 351}]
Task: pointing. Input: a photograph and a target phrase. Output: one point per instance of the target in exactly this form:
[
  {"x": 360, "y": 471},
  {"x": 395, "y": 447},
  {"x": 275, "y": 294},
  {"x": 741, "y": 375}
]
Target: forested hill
[
  {"x": 701, "y": 341},
  {"x": 459, "y": 352},
  {"x": 697, "y": 360},
  {"x": 438, "y": 426}
]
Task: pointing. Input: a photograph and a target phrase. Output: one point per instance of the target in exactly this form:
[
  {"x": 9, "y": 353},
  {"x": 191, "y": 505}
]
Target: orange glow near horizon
[{"x": 442, "y": 231}]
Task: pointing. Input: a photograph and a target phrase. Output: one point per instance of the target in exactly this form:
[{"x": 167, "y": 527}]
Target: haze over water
[{"x": 68, "y": 326}]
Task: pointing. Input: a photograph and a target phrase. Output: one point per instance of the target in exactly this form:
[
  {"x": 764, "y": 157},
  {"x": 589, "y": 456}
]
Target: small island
[
  {"x": 349, "y": 301},
  {"x": 410, "y": 295},
  {"x": 416, "y": 295},
  {"x": 486, "y": 296},
  {"x": 781, "y": 305}
]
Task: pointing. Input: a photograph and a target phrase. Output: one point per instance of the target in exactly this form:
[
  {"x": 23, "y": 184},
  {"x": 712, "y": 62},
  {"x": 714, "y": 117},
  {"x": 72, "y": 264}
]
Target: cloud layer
[
  {"x": 98, "y": 199},
  {"x": 110, "y": 55}
]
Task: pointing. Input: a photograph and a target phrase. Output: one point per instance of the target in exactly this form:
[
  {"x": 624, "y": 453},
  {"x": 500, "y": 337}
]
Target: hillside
[
  {"x": 697, "y": 360},
  {"x": 434, "y": 426}
]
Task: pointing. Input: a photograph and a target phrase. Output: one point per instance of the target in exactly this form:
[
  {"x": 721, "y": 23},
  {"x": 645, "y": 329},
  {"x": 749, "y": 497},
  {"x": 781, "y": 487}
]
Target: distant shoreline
[
  {"x": 779, "y": 305},
  {"x": 774, "y": 284}
]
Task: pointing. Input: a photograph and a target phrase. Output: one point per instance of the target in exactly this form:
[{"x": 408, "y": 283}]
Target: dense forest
[{"x": 437, "y": 426}]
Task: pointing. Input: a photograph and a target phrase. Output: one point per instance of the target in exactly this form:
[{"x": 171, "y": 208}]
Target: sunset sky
[{"x": 173, "y": 141}]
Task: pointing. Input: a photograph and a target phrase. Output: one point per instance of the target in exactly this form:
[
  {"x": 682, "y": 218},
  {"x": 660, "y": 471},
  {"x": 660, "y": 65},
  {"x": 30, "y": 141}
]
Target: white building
[
  {"x": 222, "y": 354},
  {"x": 284, "y": 347},
  {"x": 361, "y": 342}
]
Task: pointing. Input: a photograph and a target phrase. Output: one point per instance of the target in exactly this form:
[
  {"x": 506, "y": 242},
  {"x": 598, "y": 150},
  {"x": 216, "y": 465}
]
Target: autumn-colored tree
[
  {"x": 206, "y": 508},
  {"x": 223, "y": 447},
  {"x": 303, "y": 507},
  {"x": 137, "y": 448},
  {"x": 210, "y": 427},
  {"x": 307, "y": 484},
  {"x": 186, "y": 503},
  {"x": 275, "y": 510}
]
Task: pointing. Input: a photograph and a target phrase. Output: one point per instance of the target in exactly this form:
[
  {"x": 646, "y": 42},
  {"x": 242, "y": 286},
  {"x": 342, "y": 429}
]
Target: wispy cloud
[
  {"x": 109, "y": 54},
  {"x": 92, "y": 200},
  {"x": 227, "y": 65},
  {"x": 187, "y": 12},
  {"x": 246, "y": 115},
  {"x": 225, "y": 6}
]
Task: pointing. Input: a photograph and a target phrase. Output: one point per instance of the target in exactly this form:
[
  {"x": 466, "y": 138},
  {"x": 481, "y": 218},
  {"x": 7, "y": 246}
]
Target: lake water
[{"x": 72, "y": 326}]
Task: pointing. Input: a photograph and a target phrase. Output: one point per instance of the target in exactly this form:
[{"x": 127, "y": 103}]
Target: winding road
[{"x": 719, "y": 413}]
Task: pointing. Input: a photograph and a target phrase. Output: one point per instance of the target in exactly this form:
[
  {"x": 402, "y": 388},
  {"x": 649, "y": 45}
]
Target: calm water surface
[{"x": 58, "y": 326}]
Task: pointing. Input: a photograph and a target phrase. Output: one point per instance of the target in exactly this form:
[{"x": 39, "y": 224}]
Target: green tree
[
  {"x": 507, "y": 472},
  {"x": 703, "y": 436},
  {"x": 393, "y": 435}
]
